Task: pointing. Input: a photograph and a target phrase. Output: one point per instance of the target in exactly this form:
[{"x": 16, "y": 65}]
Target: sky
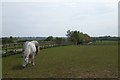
[{"x": 42, "y": 18}]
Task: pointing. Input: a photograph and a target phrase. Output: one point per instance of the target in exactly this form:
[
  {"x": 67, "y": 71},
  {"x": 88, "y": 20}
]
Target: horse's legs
[
  {"x": 33, "y": 63},
  {"x": 27, "y": 58},
  {"x": 30, "y": 60}
]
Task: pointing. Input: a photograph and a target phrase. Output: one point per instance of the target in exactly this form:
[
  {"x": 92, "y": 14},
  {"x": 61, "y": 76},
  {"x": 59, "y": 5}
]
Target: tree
[
  {"x": 49, "y": 38},
  {"x": 11, "y": 37},
  {"x": 59, "y": 40},
  {"x": 77, "y": 37},
  {"x": 7, "y": 40},
  {"x": 86, "y": 38}
]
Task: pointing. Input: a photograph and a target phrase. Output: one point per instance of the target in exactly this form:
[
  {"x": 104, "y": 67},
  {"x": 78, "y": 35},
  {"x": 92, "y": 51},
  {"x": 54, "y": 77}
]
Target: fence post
[{"x": 15, "y": 48}]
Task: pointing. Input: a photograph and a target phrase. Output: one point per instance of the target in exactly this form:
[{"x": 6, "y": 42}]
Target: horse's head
[
  {"x": 24, "y": 55},
  {"x": 25, "y": 61}
]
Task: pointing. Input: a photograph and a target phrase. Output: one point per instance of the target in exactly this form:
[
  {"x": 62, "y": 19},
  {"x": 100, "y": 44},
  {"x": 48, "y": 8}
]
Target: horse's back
[
  {"x": 29, "y": 47},
  {"x": 32, "y": 47}
]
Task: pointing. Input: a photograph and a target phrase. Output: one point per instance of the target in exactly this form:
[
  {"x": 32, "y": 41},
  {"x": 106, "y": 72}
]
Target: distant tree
[
  {"x": 11, "y": 37},
  {"x": 0, "y": 41},
  {"x": 7, "y": 40},
  {"x": 59, "y": 40},
  {"x": 49, "y": 38},
  {"x": 87, "y": 38},
  {"x": 69, "y": 33},
  {"x": 77, "y": 37}
]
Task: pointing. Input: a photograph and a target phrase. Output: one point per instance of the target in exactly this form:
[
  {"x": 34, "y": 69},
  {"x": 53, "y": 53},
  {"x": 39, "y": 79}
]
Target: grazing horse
[{"x": 30, "y": 49}]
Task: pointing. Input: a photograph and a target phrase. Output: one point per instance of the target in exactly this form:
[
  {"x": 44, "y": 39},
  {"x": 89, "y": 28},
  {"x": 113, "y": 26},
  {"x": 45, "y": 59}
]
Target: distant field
[
  {"x": 84, "y": 61},
  {"x": 106, "y": 42}
]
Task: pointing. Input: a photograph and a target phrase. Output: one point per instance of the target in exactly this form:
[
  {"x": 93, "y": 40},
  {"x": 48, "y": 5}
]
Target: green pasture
[
  {"x": 0, "y": 47},
  {"x": 0, "y": 62},
  {"x": 83, "y": 61},
  {"x": 106, "y": 42}
]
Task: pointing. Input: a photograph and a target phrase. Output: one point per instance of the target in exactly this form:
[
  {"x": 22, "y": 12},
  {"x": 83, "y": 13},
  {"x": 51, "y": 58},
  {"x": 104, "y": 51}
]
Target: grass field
[
  {"x": 0, "y": 67},
  {"x": 86, "y": 61},
  {"x": 106, "y": 42}
]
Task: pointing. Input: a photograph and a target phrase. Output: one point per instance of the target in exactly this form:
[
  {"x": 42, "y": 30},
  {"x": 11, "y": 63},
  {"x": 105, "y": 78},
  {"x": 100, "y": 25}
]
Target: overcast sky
[{"x": 44, "y": 18}]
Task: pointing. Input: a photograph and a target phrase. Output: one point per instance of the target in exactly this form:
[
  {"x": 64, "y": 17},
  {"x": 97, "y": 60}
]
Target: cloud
[
  {"x": 55, "y": 18},
  {"x": 111, "y": 1},
  {"x": 0, "y": 20}
]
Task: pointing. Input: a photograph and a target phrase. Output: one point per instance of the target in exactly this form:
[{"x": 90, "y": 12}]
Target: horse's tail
[{"x": 37, "y": 49}]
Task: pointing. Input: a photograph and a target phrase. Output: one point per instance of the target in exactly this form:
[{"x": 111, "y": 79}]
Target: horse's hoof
[
  {"x": 33, "y": 64},
  {"x": 23, "y": 67}
]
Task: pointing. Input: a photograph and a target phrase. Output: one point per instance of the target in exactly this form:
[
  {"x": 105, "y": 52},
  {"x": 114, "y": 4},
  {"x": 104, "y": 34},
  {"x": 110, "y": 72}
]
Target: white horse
[{"x": 29, "y": 50}]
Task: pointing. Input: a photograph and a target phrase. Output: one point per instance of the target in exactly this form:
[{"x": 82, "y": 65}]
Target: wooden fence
[
  {"x": 11, "y": 49},
  {"x": 16, "y": 48}
]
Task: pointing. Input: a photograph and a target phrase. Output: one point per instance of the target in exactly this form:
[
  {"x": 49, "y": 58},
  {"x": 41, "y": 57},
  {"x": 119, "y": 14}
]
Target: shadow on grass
[{"x": 18, "y": 67}]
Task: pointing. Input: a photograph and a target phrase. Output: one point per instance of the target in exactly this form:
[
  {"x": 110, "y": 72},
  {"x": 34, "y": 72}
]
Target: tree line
[
  {"x": 73, "y": 37},
  {"x": 77, "y": 37}
]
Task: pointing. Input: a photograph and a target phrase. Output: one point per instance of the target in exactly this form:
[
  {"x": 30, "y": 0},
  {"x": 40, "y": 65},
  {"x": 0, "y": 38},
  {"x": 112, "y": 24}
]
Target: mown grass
[
  {"x": 0, "y": 62},
  {"x": 66, "y": 62},
  {"x": 106, "y": 42}
]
